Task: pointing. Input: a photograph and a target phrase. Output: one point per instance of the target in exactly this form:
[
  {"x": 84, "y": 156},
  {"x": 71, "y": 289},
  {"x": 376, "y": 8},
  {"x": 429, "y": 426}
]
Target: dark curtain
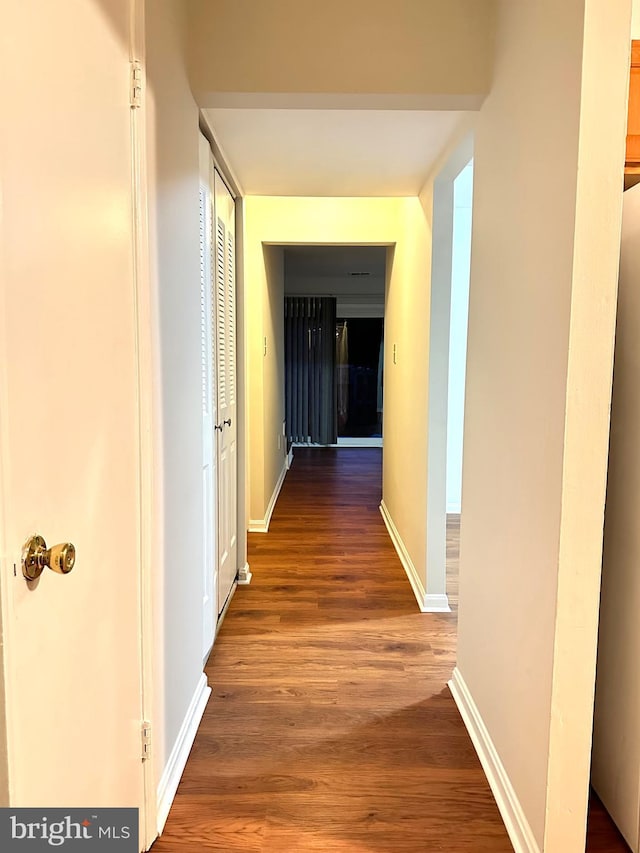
[{"x": 310, "y": 369}]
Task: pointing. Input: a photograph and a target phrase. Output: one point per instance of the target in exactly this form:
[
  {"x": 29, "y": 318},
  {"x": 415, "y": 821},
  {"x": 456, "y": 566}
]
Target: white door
[
  {"x": 69, "y": 420},
  {"x": 209, "y": 480},
  {"x": 226, "y": 370}
]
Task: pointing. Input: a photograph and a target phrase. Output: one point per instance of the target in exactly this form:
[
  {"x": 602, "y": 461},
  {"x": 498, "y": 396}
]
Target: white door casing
[
  {"x": 209, "y": 403},
  {"x": 225, "y": 283},
  {"x": 69, "y": 396}
]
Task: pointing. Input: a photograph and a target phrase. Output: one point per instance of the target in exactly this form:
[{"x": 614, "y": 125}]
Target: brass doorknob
[{"x": 36, "y": 557}]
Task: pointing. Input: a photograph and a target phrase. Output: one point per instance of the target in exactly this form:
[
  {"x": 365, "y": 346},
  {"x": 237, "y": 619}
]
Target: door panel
[
  {"x": 233, "y": 432},
  {"x": 68, "y": 385}
]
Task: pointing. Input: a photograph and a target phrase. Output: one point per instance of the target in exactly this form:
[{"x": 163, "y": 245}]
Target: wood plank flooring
[{"x": 331, "y": 727}]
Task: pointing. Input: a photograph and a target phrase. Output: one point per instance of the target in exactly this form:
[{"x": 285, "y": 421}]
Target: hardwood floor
[{"x": 331, "y": 727}]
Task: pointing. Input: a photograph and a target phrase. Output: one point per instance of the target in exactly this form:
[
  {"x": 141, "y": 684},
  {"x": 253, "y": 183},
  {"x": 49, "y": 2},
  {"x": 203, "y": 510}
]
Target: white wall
[
  {"x": 433, "y": 53},
  {"x": 635, "y": 20},
  {"x": 174, "y": 233},
  {"x": 548, "y": 172},
  {"x": 459, "y": 311},
  {"x": 616, "y": 736}
]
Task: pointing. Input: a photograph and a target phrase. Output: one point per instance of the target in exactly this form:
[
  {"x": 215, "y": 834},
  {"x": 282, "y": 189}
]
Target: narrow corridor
[{"x": 331, "y": 727}]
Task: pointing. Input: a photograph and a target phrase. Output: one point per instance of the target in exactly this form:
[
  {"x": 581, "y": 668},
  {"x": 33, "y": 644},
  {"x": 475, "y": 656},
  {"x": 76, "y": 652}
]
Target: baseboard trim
[
  {"x": 180, "y": 753},
  {"x": 347, "y": 441},
  {"x": 261, "y": 525},
  {"x": 514, "y": 818},
  {"x": 435, "y": 603},
  {"x": 290, "y": 458},
  {"x": 244, "y": 575},
  {"x": 428, "y": 603},
  {"x": 454, "y": 509}
]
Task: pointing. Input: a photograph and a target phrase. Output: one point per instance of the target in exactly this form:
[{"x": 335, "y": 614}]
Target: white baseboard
[
  {"x": 175, "y": 765},
  {"x": 428, "y": 603},
  {"x": 345, "y": 441},
  {"x": 436, "y": 603},
  {"x": 290, "y": 458},
  {"x": 261, "y": 525},
  {"x": 454, "y": 509},
  {"x": 514, "y": 818},
  {"x": 244, "y": 575},
  {"x": 348, "y": 441}
]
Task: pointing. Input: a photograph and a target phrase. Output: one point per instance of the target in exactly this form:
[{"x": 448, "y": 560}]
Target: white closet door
[
  {"x": 207, "y": 345},
  {"x": 225, "y": 283}
]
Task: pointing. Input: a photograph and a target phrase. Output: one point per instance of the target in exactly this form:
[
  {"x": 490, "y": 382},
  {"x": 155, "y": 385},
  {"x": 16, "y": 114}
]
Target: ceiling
[
  {"x": 332, "y": 152},
  {"x": 335, "y": 261},
  {"x": 355, "y": 273}
]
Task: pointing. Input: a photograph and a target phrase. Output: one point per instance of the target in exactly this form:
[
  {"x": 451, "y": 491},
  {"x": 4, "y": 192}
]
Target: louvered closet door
[
  {"x": 209, "y": 402},
  {"x": 225, "y": 285}
]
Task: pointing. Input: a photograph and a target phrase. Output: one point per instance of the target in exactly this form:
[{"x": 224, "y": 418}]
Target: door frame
[
  {"x": 209, "y": 442},
  {"x": 230, "y": 179},
  {"x": 149, "y": 524},
  {"x": 4, "y": 569},
  {"x": 440, "y": 315}
]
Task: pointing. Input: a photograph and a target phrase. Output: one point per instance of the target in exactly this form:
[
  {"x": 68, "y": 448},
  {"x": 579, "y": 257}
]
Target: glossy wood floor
[{"x": 331, "y": 727}]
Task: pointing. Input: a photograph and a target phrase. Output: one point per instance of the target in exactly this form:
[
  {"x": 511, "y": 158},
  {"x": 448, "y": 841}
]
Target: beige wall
[
  {"x": 407, "y": 311},
  {"x": 616, "y": 736},
  {"x": 390, "y": 221},
  {"x": 172, "y": 148},
  {"x": 371, "y": 47},
  {"x": 548, "y": 167}
]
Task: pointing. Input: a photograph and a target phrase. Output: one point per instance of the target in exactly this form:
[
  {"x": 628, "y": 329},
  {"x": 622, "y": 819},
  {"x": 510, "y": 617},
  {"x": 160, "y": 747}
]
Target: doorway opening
[
  {"x": 334, "y": 351},
  {"x": 451, "y": 266},
  {"x": 360, "y": 368},
  {"x": 458, "y": 320}
]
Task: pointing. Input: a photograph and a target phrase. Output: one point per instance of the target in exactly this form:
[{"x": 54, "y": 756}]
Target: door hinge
[
  {"x": 146, "y": 741},
  {"x": 135, "y": 94}
]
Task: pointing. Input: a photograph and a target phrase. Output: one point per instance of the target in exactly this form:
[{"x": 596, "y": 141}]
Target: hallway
[{"x": 331, "y": 727}]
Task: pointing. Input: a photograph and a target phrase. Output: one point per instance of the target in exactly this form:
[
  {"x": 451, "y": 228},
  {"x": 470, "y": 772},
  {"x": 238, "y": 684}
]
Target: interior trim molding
[
  {"x": 347, "y": 441},
  {"x": 515, "y": 821},
  {"x": 436, "y": 603},
  {"x": 175, "y": 765},
  {"x": 428, "y": 603},
  {"x": 261, "y": 525},
  {"x": 244, "y": 575}
]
